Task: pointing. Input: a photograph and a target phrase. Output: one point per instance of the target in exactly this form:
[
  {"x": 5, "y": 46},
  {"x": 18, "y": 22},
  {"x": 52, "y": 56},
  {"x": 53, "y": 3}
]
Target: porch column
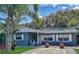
[
  {"x": 70, "y": 37},
  {"x": 56, "y": 37},
  {"x": 53, "y": 37},
  {"x": 37, "y": 38},
  {"x": 42, "y": 37}
]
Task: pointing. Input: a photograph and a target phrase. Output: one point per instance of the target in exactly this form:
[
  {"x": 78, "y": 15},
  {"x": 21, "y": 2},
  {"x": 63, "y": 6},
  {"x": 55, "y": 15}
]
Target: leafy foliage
[
  {"x": 37, "y": 23},
  {"x": 66, "y": 18},
  {"x": 14, "y": 12}
]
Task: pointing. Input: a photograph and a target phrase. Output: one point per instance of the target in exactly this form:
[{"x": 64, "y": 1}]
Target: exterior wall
[
  {"x": 26, "y": 39},
  {"x": 39, "y": 37},
  {"x": 23, "y": 42}
]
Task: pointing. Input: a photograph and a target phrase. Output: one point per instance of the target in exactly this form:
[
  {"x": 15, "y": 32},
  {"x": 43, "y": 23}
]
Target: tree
[
  {"x": 14, "y": 12},
  {"x": 38, "y": 23},
  {"x": 11, "y": 10},
  {"x": 73, "y": 22},
  {"x": 66, "y": 18}
]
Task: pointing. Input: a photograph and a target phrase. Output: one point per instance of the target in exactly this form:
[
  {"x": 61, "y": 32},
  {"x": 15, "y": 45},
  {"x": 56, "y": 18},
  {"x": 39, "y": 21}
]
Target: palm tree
[{"x": 37, "y": 22}]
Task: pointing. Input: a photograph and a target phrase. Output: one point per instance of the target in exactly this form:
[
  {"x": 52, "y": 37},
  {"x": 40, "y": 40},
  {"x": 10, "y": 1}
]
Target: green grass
[
  {"x": 77, "y": 50},
  {"x": 17, "y": 50}
]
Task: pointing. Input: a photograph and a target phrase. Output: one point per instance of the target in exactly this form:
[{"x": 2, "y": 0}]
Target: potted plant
[
  {"x": 46, "y": 45},
  {"x": 61, "y": 45}
]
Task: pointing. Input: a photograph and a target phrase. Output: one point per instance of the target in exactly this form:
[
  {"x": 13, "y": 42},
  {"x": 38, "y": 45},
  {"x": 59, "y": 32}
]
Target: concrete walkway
[{"x": 51, "y": 50}]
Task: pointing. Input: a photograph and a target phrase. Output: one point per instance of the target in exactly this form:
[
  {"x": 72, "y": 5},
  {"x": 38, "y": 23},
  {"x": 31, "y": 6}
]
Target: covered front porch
[{"x": 52, "y": 39}]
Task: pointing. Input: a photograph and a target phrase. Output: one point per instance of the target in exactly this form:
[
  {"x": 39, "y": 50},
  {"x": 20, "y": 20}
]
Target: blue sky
[{"x": 46, "y": 9}]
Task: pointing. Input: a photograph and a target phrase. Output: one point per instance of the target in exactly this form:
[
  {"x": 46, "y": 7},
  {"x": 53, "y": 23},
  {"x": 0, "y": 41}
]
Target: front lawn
[
  {"x": 77, "y": 50},
  {"x": 17, "y": 50}
]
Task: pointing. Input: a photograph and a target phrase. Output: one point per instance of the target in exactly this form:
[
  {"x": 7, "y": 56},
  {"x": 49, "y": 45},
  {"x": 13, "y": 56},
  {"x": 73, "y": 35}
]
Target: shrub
[{"x": 13, "y": 45}]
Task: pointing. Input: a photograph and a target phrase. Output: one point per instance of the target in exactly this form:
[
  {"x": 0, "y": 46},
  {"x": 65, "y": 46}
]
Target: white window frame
[
  {"x": 22, "y": 36},
  {"x": 69, "y": 38},
  {"x": 49, "y": 36}
]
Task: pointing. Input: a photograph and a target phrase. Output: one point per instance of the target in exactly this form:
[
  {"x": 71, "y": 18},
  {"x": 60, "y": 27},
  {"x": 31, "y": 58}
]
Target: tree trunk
[{"x": 9, "y": 31}]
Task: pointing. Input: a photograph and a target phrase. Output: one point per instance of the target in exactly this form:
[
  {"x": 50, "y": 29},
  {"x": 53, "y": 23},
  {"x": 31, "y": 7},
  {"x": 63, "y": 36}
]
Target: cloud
[
  {"x": 44, "y": 5},
  {"x": 64, "y": 8},
  {"x": 75, "y": 8},
  {"x": 41, "y": 17},
  {"x": 53, "y": 5}
]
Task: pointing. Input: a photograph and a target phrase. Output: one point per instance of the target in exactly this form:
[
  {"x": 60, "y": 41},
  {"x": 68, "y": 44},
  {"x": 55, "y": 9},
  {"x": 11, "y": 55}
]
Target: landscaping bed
[{"x": 17, "y": 50}]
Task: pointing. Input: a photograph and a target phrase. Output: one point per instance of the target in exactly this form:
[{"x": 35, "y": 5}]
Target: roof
[
  {"x": 25, "y": 29},
  {"x": 59, "y": 30},
  {"x": 49, "y": 30}
]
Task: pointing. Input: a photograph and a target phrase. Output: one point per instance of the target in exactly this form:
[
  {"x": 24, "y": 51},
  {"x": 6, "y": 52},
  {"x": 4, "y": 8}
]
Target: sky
[{"x": 47, "y": 9}]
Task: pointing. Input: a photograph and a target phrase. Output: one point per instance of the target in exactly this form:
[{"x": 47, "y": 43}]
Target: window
[
  {"x": 64, "y": 37},
  {"x": 60, "y": 39},
  {"x": 19, "y": 36},
  {"x": 45, "y": 39},
  {"x": 48, "y": 39}
]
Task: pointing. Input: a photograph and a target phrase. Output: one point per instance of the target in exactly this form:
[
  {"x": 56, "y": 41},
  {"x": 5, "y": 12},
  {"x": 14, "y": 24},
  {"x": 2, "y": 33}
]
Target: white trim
[
  {"x": 49, "y": 36},
  {"x": 22, "y": 36},
  {"x": 69, "y": 38}
]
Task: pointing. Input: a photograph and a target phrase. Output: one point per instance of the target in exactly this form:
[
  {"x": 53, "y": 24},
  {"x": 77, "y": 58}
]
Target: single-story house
[{"x": 54, "y": 36}]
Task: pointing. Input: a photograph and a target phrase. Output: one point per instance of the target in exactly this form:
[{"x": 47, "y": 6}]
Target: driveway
[{"x": 51, "y": 50}]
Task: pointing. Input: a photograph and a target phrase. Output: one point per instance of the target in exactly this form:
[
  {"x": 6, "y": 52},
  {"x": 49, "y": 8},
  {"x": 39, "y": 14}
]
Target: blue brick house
[{"x": 54, "y": 36}]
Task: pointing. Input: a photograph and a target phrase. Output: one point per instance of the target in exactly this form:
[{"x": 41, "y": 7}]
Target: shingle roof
[
  {"x": 59, "y": 30},
  {"x": 49, "y": 30},
  {"x": 26, "y": 30}
]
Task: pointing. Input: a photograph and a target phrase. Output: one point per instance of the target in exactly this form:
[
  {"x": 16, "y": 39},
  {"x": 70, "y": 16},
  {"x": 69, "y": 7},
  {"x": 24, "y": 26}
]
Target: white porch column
[
  {"x": 14, "y": 37},
  {"x": 70, "y": 37},
  {"x": 53, "y": 37},
  {"x": 38, "y": 39},
  {"x": 56, "y": 37}
]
